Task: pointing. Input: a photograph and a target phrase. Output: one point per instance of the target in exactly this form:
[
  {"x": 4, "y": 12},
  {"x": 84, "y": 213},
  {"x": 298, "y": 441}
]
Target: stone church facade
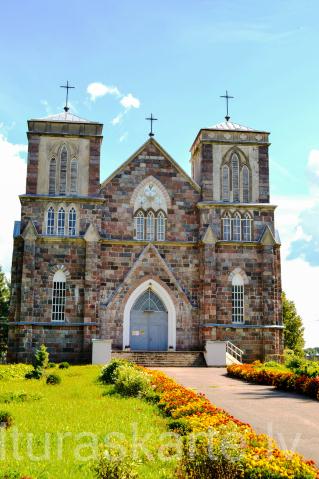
[{"x": 150, "y": 258}]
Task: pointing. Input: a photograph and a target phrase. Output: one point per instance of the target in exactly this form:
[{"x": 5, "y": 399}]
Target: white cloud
[
  {"x": 118, "y": 118},
  {"x": 129, "y": 101},
  {"x": 12, "y": 183},
  {"x": 96, "y": 90},
  {"x": 123, "y": 137}
]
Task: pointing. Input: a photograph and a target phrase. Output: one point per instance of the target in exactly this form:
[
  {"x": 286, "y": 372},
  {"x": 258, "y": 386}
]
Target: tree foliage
[
  {"x": 4, "y": 295},
  {"x": 293, "y": 327}
]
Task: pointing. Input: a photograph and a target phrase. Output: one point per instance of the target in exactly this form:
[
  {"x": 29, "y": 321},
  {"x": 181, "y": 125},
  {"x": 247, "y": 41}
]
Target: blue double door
[{"x": 149, "y": 324}]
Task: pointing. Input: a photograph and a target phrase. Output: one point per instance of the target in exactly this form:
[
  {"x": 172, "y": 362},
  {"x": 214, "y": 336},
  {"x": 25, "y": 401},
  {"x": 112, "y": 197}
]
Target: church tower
[
  {"x": 241, "y": 288},
  {"x": 51, "y": 267}
]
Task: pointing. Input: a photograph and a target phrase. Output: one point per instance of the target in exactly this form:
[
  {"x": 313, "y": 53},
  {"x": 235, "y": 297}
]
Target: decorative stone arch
[
  {"x": 165, "y": 298},
  {"x": 59, "y": 267},
  {"x": 240, "y": 272},
  {"x": 243, "y": 158},
  {"x": 243, "y": 161},
  {"x": 140, "y": 188}
]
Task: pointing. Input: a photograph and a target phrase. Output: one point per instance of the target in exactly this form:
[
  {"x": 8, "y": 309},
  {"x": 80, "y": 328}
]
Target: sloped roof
[
  {"x": 230, "y": 125},
  {"x": 164, "y": 153},
  {"x": 65, "y": 117}
]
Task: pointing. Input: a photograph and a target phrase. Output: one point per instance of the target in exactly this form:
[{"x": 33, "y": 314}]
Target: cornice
[
  {"x": 247, "y": 206},
  {"x": 65, "y": 199}
]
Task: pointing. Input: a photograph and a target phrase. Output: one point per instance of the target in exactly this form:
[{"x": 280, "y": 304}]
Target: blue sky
[{"x": 176, "y": 58}]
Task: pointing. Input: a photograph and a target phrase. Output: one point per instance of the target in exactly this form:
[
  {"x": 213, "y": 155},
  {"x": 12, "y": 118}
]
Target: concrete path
[{"x": 291, "y": 419}]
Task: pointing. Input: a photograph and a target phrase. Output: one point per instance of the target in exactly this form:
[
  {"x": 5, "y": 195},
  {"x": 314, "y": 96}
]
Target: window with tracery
[
  {"x": 237, "y": 227},
  {"x": 72, "y": 222},
  {"x": 63, "y": 170},
  {"x": 61, "y": 221},
  {"x": 50, "y": 221},
  {"x": 52, "y": 177}
]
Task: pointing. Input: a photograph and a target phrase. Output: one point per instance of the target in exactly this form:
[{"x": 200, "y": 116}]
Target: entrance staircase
[{"x": 163, "y": 358}]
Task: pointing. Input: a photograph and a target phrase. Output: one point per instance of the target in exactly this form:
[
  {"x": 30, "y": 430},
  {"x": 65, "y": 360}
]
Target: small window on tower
[
  {"x": 63, "y": 170},
  {"x": 72, "y": 222},
  {"x": 52, "y": 177},
  {"x": 235, "y": 176},
  {"x": 50, "y": 221},
  {"x": 74, "y": 176},
  {"x": 61, "y": 221},
  {"x": 245, "y": 176},
  {"x": 225, "y": 183}
]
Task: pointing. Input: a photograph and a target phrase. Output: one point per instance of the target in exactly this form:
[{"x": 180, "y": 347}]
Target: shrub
[
  {"x": 6, "y": 419},
  {"x": 64, "y": 365},
  {"x": 34, "y": 374},
  {"x": 18, "y": 397},
  {"x": 112, "y": 467},
  {"x": 53, "y": 379},
  {"x": 131, "y": 381},
  {"x": 41, "y": 358},
  {"x": 108, "y": 373},
  {"x": 51, "y": 365}
]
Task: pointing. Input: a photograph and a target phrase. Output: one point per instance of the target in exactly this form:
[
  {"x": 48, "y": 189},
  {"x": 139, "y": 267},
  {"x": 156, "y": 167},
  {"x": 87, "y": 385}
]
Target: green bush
[
  {"x": 34, "y": 374},
  {"x": 53, "y": 379},
  {"x": 64, "y": 365},
  {"x": 108, "y": 373},
  {"x": 6, "y": 419},
  {"x": 41, "y": 358},
  {"x": 131, "y": 381},
  {"x": 112, "y": 467},
  {"x": 18, "y": 397},
  {"x": 51, "y": 365}
]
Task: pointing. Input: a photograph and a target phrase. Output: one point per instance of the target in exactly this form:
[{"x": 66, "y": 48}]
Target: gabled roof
[
  {"x": 164, "y": 153},
  {"x": 65, "y": 117}
]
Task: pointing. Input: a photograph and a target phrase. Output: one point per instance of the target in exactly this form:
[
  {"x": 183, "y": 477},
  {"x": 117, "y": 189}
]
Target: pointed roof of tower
[
  {"x": 230, "y": 125},
  {"x": 65, "y": 117}
]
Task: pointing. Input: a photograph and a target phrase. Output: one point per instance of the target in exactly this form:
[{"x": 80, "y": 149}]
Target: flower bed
[
  {"x": 253, "y": 455},
  {"x": 287, "y": 381}
]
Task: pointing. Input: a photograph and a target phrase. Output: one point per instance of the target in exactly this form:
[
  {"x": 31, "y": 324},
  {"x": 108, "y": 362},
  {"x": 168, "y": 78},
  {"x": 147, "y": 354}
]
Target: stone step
[{"x": 165, "y": 358}]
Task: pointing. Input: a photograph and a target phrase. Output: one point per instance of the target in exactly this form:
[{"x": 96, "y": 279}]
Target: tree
[
  {"x": 293, "y": 327},
  {"x": 4, "y": 295}
]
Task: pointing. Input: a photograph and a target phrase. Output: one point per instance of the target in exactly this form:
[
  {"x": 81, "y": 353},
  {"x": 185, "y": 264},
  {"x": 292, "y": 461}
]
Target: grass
[{"x": 79, "y": 405}]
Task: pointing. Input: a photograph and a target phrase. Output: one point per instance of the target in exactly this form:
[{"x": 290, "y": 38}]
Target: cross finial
[
  {"x": 227, "y": 98},
  {"x": 151, "y": 119},
  {"x": 68, "y": 87}
]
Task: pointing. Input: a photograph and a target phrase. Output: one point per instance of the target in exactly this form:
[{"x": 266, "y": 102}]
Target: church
[{"x": 150, "y": 258}]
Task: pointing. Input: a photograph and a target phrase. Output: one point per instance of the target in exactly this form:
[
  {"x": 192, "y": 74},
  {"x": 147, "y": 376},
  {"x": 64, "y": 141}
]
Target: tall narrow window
[
  {"x": 245, "y": 176},
  {"x": 72, "y": 222},
  {"x": 246, "y": 227},
  {"x": 50, "y": 221},
  {"x": 58, "y": 297},
  {"x": 227, "y": 228},
  {"x": 74, "y": 176},
  {"x": 235, "y": 176},
  {"x": 150, "y": 226},
  {"x": 139, "y": 226},
  {"x": 61, "y": 221},
  {"x": 237, "y": 299},
  {"x": 63, "y": 170},
  {"x": 160, "y": 226},
  {"x": 237, "y": 227},
  {"x": 225, "y": 183},
  {"x": 52, "y": 177}
]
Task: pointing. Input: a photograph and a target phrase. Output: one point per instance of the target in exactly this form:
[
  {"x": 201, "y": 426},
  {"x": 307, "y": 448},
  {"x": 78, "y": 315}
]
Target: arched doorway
[{"x": 148, "y": 323}]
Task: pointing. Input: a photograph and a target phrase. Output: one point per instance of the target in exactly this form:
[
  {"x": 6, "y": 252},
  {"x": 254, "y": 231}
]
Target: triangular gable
[
  {"x": 267, "y": 238},
  {"x": 146, "y": 256},
  {"x": 30, "y": 232},
  {"x": 209, "y": 236},
  {"x": 91, "y": 234},
  {"x": 163, "y": 153}
]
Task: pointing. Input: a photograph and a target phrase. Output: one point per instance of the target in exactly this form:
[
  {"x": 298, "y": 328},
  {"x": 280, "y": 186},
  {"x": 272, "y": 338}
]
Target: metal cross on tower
[
  {"x": 151, "y": 119},
  {"x": 227, "y": 98},
  {"x": 68, "y": 87}
]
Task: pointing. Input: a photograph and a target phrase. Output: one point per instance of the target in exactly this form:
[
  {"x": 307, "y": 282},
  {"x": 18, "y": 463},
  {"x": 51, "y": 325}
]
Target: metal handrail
[{"x": 234, "y": 351}]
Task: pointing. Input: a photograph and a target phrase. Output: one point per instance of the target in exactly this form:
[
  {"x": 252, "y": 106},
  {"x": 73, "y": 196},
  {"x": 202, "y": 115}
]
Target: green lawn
[{"x": 78, "y": 405}]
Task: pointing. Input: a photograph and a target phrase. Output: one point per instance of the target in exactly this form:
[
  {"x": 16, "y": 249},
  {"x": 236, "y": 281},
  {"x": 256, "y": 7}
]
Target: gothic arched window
[
  {"x": 225, "y": 183},
  {"x": 58, "y": 296},
  {"x": 139, "y": 224},
  {"x": 63, "y": 170},
  {"x": 245, "y": 180},
  {"x": 61, "y": 221},
  {"x": 50, "y": 221},
  {"x": 235, "y": 176},
  {"x": 161, "y": 226},
  {"x": 74, "y": 176},
  {"x": 237, "y": 299},
  {"x": 150, "y": 226},
  {"x": 72, "y": 222},
  {"x": 52, "y": 176},
  {"x": 237, "y": 227},
  {"x": 227, "y": 227},
  {"x": 246, "y": 227}
]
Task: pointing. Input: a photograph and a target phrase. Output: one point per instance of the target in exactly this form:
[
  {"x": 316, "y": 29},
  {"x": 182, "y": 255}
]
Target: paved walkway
[{"x": 292, "y": 420}]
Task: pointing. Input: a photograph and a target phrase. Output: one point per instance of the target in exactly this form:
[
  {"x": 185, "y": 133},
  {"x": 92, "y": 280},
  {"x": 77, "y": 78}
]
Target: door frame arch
[{"x": 168, "y": 302}]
